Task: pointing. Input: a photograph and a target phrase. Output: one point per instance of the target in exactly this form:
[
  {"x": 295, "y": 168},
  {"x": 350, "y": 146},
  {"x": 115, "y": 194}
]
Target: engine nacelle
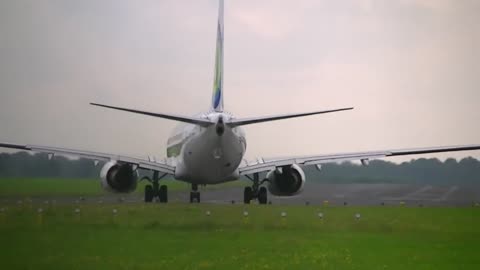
[
  {"x": 118, "y": 177},
  {"x": 286, "y": 181}
]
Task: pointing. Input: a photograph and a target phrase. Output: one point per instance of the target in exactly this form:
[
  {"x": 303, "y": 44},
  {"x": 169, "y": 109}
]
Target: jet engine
[
  {"x": 118, "y": 177},
  {"x": 286, "y": 180}
]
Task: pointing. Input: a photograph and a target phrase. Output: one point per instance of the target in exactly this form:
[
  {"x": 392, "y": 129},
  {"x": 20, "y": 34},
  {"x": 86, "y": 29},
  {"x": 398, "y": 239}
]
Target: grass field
[
  {"x": 78, "y": 187},
  {"x": 182, "y": 236}
]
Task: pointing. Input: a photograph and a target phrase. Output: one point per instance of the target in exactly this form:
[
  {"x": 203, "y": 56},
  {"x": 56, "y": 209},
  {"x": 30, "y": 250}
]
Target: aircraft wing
[
  {"x": 262, "y": 165},
  {"x": 141, "y": 163}
]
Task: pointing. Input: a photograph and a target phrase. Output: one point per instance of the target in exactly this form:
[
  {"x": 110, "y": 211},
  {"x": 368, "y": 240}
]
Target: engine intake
[
  {"x": 286, "y": 181},
  {"x": 118, "y": 178}
]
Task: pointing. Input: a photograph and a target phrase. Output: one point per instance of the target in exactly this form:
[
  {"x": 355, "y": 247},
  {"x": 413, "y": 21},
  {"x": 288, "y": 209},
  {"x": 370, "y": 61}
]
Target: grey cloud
[{"x": 409, "y": 67}]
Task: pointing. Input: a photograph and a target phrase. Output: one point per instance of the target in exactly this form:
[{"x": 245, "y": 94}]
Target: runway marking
[
  {"x": 418, "y": 192},
  {"x": 447, "y": 194},
  {"x": 411, "y": 195}
]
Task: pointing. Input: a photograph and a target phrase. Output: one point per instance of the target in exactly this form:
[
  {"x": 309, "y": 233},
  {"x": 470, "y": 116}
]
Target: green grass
[
  {"x": 179, "y": 236},
  {"x": 76, "y": 187}
]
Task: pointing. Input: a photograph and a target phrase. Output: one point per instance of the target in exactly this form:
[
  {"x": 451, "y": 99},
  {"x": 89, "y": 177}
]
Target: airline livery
[{"x": 209, "y": 148}]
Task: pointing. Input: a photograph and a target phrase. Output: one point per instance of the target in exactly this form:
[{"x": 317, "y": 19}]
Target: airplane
[{"x": 209, "y": 148}]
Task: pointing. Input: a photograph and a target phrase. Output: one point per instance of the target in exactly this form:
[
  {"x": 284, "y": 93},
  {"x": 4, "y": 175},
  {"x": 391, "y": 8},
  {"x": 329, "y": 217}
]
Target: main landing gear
[
  {"x": 194, "y": 194},
  {"x": 255, "y": 191},
  {"x": 155, "y": 190}
]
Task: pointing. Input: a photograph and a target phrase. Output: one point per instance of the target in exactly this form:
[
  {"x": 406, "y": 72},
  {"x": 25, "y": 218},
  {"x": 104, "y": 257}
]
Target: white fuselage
[{"x": 203, "y": 156}]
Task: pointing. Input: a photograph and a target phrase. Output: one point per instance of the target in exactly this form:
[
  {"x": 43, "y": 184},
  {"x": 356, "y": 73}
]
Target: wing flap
[{"x": 418, "y": 151}]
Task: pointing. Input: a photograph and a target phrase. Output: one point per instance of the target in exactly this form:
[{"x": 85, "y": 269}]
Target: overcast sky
[{"x": 411, "y": 69}]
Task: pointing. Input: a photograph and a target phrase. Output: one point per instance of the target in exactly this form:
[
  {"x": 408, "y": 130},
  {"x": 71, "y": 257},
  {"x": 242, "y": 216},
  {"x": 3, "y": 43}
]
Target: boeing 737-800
[{"x": 209, "y": 149}]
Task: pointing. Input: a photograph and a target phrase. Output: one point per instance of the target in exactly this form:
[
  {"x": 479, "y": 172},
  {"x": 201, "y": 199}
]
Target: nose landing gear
[
  {"x": 255, "y": 191},
  {"x": 194, "y": 194}
]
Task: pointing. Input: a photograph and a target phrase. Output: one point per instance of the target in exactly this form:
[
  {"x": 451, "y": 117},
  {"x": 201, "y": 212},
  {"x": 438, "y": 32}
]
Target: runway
[
  {"x": 368, "y": 194},
  {"x": 313, "y": 194}
]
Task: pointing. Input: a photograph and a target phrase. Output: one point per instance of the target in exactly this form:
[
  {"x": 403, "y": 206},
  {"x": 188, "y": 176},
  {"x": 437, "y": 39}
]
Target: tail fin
[{"x": 217, "y": 97}]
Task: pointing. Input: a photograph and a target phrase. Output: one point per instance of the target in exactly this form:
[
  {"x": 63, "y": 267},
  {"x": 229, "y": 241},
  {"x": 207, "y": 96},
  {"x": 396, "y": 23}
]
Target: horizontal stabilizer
[
  {"x": 185, "y": 119},
  {"x": 255, "y": 120}
]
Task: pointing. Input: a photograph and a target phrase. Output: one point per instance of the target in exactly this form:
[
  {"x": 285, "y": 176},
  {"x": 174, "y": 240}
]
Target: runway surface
[
  {"x": 313, "y": 194},
  {"x": 368, "y": 194}
]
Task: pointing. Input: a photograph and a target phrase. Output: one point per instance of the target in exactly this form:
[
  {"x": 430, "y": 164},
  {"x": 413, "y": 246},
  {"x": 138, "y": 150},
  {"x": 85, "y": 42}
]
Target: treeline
[
  {"x": 418, "y": 171},
  {"x": 26, "y": 165}
]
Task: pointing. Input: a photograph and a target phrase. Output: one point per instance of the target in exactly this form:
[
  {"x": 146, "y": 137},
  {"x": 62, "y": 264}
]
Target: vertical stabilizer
[{"x": 217, "y": 98}]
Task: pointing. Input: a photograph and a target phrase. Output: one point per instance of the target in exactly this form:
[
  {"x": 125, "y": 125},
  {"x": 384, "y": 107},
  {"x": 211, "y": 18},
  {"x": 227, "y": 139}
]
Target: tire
[
  {"x": 247, "y": 195},
  {"x": 163, "y": 194},
  {"x": 148, "y": 193},
  {"x": 194, "y": 197},
  {"x": 262, "y": 195}
]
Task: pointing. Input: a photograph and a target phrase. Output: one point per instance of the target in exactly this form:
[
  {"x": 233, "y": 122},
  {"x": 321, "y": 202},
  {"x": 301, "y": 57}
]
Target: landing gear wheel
[
  {"x": 163, "y": 194},
  {"x": 247, "y": 195},
  {"x": 194, "y": 197},
  {"x": 262, "y": 195},
  {"x": 149, "y": 193}
]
